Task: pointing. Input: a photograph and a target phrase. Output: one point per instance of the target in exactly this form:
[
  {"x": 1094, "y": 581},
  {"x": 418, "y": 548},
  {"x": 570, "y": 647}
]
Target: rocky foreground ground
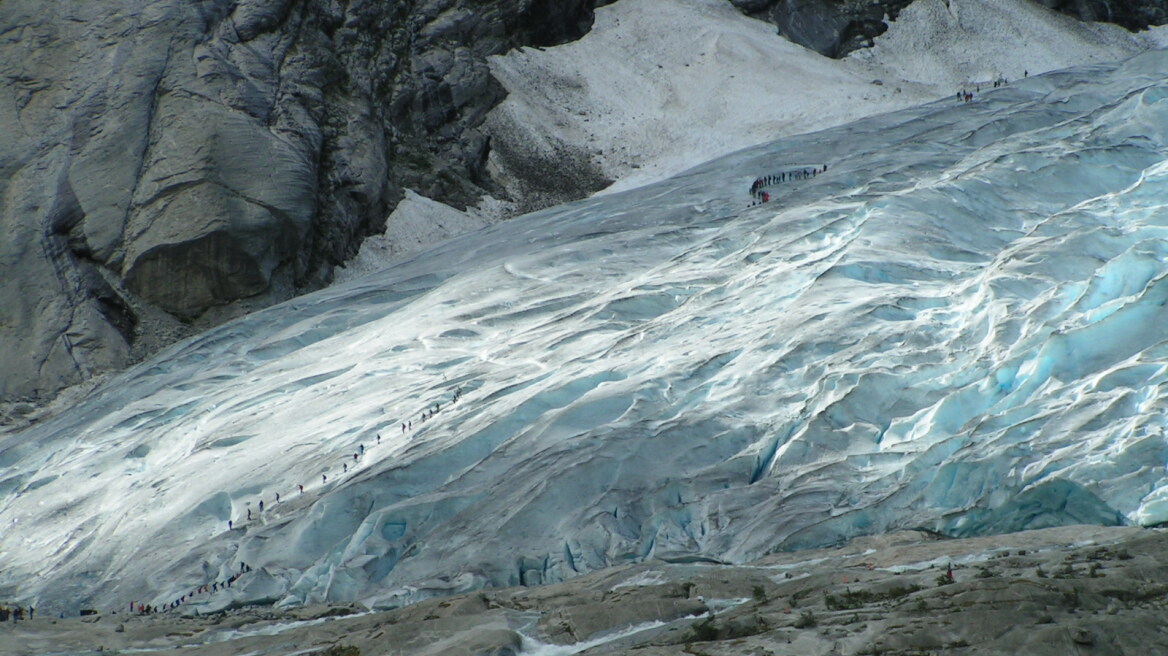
[{"x": 1069, "y": 590}]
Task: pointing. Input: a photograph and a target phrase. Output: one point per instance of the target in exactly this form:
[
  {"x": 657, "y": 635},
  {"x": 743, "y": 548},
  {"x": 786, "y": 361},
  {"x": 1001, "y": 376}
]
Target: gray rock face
[
  {"x": 834, "y": 28},
  {"x": 1132, "y": 14},
  {"x": 168, "y": 165},
  {"x": 829, "y": 27}
]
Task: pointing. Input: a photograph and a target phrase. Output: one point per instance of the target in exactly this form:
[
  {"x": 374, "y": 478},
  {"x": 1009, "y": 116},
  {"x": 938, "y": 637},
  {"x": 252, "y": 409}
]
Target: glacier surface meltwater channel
[{"x": 960, "y": 326}]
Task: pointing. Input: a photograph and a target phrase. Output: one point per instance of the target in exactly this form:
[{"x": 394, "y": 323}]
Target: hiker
[
  {"x": 230, "y": 525},
  {"x": 361, "y": 449},
  {"x": 301, "y": 488},
  {"x": 277, "y": 497},
  {"x": 261, "y": 505},
  {"x": 323, "y": 478},
  {"x": 344, "y": 467}
]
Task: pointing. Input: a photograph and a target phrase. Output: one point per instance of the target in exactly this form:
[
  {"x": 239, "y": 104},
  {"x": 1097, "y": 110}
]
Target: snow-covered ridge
[{"x": 958, "y": 326}]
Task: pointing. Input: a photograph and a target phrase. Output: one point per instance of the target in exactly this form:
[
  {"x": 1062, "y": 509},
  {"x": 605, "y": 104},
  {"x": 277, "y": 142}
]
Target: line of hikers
[
  {"x": 15, "y": 613},
  {"x": 425, "y": 415},
  {"x": 216, "y": 586},
  {"x": 758, "y": 188},
  {"x": 208, "y": 588},
  {"x": 428, "y": 413}
]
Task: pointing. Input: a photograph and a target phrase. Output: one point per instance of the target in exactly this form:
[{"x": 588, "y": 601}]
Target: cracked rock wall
[{"x": 168, "y": 165}]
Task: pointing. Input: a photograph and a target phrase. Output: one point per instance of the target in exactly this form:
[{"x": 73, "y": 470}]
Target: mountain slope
[
  {"x": 170, "y": 166},
  {"x": 956, "y": 326}
]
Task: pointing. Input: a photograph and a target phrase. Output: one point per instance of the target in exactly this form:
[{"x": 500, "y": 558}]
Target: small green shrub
[
  {"x": 851, "y": 600},
  {"x": 703, "y": 631},
  {"x": 806, "y": 620}
]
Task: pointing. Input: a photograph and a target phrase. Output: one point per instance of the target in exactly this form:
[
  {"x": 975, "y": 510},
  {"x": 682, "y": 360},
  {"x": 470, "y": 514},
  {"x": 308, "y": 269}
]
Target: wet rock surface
[
  {"x": 834, "y": 28},
  {"x": 1132, "y": 14}
]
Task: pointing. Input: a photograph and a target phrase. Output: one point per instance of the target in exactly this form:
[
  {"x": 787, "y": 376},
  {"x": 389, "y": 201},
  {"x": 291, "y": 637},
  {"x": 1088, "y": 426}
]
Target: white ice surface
[{"x": 958, "y": 326}]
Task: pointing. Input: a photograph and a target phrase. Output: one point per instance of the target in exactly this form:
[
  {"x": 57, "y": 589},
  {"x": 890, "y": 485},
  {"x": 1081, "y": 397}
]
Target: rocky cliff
[
  {"x": 1132, "y": 14},
  {"x": 834, "y": 28},
  {"x": 170, "y": 164}
]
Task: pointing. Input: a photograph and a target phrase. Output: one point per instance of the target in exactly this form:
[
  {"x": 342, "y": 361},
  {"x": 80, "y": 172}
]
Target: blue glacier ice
[{"x": 960, "y": 325}]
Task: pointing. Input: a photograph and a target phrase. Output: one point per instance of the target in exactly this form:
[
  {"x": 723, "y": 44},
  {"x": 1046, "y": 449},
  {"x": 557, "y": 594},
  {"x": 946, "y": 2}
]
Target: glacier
[{"x": 956, "y": 327}]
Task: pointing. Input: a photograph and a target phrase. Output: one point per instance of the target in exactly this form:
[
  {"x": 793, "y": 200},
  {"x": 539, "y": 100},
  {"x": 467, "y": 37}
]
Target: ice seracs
[{"x": 958, "y": 326}]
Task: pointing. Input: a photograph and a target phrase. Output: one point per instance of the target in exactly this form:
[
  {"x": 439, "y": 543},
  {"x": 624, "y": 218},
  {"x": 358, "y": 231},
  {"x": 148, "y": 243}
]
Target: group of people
[
  {"x": 15, "y": 613},
  {"x": 759, "y": 193},
  {"x": 966, "y": 95},
  {"x": 208, "y": 588}
]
